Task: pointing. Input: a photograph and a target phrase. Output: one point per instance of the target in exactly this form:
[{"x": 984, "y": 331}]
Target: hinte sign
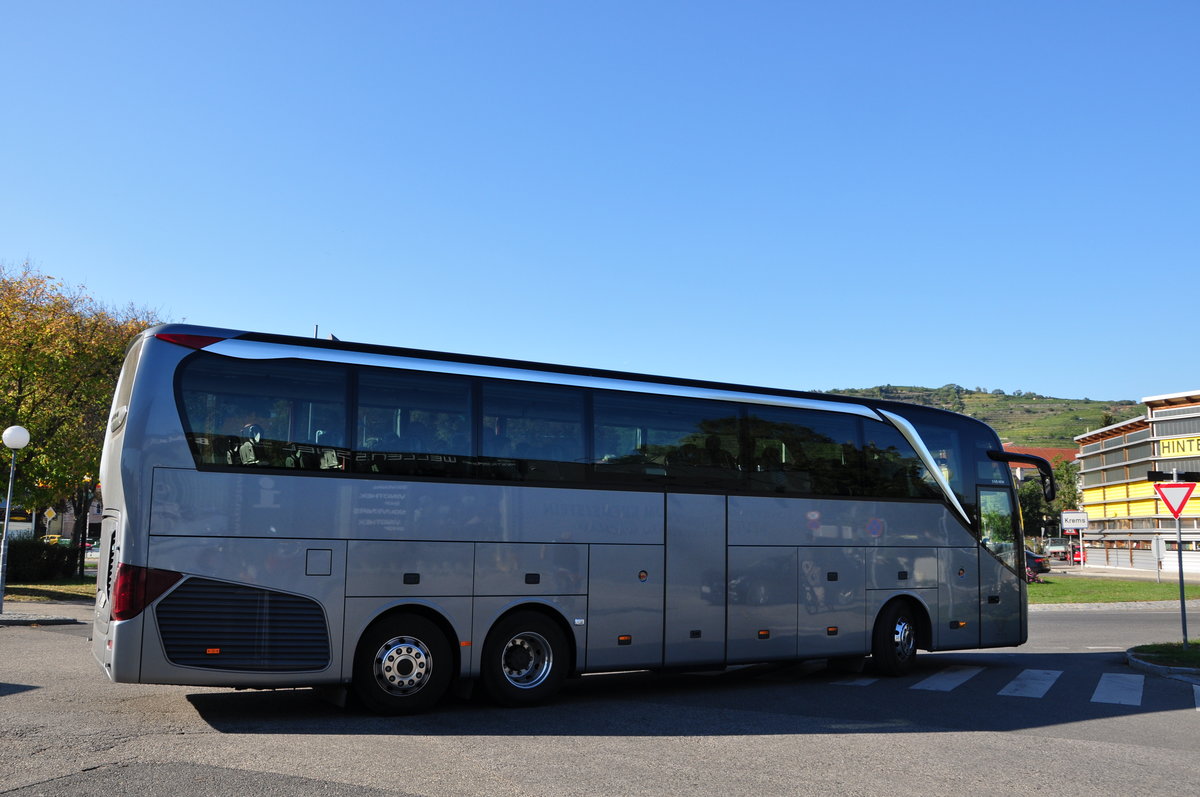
[
  {"x": 1074, "y": 519},
  {"x": 1175, "y": 495}
]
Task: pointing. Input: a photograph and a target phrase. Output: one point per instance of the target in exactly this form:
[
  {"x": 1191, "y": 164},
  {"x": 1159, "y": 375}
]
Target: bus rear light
[
  {"x": 191, "y": 341},
  {"x": 137, "y": 587}
]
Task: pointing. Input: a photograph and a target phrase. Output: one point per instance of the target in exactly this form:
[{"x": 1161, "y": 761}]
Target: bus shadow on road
[
  {"x": 7, "y": 689},
  {"x": 762, "y": 700}
]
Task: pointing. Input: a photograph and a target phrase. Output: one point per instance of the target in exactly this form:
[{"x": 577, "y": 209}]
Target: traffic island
[{"x": 1139, "y": 660}]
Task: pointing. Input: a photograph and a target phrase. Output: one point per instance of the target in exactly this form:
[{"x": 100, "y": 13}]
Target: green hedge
[{"x": 35, "y": 562}]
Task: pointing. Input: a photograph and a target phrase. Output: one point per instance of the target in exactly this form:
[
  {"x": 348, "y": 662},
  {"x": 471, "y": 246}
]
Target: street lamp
[{"x": 16, "y": 438}]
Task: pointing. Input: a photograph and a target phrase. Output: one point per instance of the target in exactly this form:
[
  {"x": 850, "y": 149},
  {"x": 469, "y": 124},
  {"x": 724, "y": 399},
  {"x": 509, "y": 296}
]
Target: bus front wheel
[
  {"x": 403, "y": 665},
  {"x": 524, "y": 660},
  {"x": 894, "y": 642}
]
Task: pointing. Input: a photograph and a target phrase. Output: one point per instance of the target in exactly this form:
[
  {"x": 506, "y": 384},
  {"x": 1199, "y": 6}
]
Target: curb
[{"x": 1189, "y": 674}]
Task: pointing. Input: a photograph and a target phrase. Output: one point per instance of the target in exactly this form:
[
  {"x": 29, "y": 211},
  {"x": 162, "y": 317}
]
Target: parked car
[
  {"x": 1080, "y": 551},
  {"x": 1036, "y": 562}
]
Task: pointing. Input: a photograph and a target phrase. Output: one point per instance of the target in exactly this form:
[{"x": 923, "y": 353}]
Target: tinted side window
[
  {"x": 891, "y": 468},
  {"x": 412, "y": 423},
  {"x": 661, "y": 440},
  {"x": 801, "y": 452},
  {"x": 266, "y": 413},
  {"x": 997, "y": 526},
  {"x": 532, "y": 432}
]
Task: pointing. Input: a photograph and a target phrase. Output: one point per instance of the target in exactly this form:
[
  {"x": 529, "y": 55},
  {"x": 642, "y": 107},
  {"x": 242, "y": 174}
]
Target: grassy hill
[{"x": 1024, "y": 419}]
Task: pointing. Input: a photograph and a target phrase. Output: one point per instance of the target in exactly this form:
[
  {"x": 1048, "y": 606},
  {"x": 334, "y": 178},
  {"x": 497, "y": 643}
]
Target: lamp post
[{"x": 15, "y": 438}]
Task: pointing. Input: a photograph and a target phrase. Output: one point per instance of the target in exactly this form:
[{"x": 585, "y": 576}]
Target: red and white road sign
[{"x": 1175, "y": 495}]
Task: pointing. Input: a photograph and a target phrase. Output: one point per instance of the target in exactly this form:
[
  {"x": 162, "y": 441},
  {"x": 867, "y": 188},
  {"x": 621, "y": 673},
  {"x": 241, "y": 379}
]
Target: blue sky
[{"x": 799, "y": 194}]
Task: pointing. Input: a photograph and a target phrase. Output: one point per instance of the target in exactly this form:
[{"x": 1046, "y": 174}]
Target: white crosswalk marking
[
  {"x": 1031, "y": 683},
  {"x": 1111, "y": 688},
  {"x": 948, "y": 678},
  {"x": 1123, "y": 690}
]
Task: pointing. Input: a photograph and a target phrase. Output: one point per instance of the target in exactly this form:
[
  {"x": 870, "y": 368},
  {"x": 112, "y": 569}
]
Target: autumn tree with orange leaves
[{"x": 60, "y": 354}]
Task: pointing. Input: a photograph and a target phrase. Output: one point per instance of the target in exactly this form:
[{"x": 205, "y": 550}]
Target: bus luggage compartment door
[
  {"x": 625, "y": 604},
  {"x": 695, "y": 612},
  {"x": 764, "y": 584},
  {"x": 832, "y": 602}
]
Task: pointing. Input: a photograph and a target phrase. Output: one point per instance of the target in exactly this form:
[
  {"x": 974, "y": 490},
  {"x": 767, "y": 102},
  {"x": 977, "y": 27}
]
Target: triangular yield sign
[{"x": 1175, "y": 495}]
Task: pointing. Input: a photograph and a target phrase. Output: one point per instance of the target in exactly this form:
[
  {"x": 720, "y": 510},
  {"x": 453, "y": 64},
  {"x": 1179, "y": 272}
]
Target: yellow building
[{"x": 1128, "y": 525}]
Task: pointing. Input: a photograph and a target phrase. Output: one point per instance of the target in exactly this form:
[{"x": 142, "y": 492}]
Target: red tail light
[
  {"x": 191, "y": 341},
  {"x": 138, "y": 587}
]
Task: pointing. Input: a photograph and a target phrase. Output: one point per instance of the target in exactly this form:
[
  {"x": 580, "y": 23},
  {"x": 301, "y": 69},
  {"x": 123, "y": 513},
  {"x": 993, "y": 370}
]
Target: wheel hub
[
  {"x": 904, "y": 638},
  {"x": 527, "y": 660},
  {"x": 403, "y": 665}
]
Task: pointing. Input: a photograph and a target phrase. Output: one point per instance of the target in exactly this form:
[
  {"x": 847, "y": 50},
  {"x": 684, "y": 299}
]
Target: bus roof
[{"x": 210, "y": 338}]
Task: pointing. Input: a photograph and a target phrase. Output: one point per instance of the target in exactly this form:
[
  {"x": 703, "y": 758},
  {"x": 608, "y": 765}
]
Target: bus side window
[
  {"x": 412, "y": 423},
  {"x": 258, "y": 414},
  {"x": 692, "y": 443},
  {"x": 533, "y": 432},
  {"x": 801, "y": 452},
  {"x": 892, "y": 469}
]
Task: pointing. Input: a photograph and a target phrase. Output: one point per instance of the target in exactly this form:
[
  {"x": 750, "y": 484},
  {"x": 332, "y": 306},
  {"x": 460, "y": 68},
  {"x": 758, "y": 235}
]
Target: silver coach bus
[{"x": 282, "y": 511}]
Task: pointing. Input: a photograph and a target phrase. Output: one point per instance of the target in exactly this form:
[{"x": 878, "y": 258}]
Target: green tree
[
  {"x": 1066, "y": 477},
  {"x": 60, "y": 353},
  {"x": 1036, "y": 511}
]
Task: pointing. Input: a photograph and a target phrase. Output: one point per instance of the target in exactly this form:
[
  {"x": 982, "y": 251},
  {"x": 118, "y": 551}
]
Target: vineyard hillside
[{"x": 1023, "y": 419}]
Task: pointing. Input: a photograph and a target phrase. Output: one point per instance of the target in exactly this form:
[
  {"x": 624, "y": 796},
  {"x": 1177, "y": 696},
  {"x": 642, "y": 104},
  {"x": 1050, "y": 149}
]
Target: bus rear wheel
[
  {"x": 894, "y": 641},
  {"x": 403, "y": 665},
  {"x": 524, "y": 660}
]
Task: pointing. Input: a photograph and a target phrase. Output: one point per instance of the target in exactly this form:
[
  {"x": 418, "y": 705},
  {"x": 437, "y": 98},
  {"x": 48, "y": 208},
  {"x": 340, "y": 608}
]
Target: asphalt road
[{"x": 968, "y": 722}]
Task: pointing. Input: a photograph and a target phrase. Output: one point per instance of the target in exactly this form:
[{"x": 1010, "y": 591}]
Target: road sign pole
[
  {"x": 1175, "y": 495},
  {"x": 1182, "y": 596}
]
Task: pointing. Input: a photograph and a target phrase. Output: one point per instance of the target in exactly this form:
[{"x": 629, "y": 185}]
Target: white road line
[
  {"x": 855, "y": 682},
  {"x": 1124, "y": 690},
  {"x": 1196, "y": 694},
  {"x": 948, "y": 679},
  {"x": 1031, "y": 683}
]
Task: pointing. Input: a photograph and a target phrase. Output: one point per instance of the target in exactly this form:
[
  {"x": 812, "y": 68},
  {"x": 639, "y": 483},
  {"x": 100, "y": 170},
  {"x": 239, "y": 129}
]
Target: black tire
[
  {"x": 525, "y": 660},
  {"x": 403, "y": 665},
  {"x": 894, "y": 641}
]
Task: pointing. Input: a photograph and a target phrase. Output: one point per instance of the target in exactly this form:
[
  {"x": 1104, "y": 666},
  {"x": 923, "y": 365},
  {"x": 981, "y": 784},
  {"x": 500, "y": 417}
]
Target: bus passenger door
[
  {"x": 1003, "y": 558},
  {"x": 694, "y": 622}
]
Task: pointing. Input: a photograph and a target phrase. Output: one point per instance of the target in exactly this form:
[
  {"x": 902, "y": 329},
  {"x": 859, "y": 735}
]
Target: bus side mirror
[
  {"x": 1044, "y": 469},
  {"x": 1049, "y": 489}
]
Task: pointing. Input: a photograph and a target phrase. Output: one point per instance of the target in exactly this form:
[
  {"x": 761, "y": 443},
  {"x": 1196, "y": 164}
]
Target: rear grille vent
[{"x": 223, "y": 626}]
